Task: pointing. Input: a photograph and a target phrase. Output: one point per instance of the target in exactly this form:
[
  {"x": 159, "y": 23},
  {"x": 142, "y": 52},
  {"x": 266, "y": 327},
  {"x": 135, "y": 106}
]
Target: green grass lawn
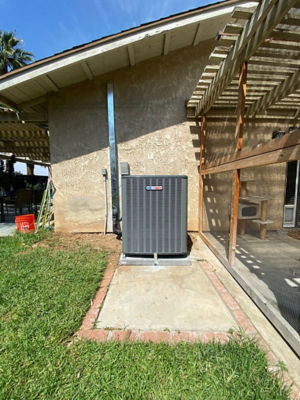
[{"x": 45, "y": 292}]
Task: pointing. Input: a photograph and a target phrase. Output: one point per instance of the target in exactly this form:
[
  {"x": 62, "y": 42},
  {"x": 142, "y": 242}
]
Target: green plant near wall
[{"x": 12, "y": 56}]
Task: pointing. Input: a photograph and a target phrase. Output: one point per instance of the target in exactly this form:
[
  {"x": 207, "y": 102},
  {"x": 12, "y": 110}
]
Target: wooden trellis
[
  {"x": 23, "y": 139},
  {"x": 263, "y": 45},
  {"x": 268, "y": 38},
  {"x": 258, "y": 51}
]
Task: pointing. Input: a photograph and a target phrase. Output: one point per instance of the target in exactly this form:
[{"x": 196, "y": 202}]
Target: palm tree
[{"x": 11, "y": 55}]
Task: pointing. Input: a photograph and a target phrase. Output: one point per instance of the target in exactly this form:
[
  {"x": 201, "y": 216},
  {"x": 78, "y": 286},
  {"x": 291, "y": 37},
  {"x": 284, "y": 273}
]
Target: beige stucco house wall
[
  {"x": 153, "y": 135},
  {"x": 267, "y": 181}
]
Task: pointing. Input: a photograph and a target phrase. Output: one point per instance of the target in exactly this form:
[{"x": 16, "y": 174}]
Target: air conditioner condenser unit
[{"x": 154, "y": 215}]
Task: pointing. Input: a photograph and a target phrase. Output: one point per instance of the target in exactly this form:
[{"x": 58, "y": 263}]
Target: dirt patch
[
  {"x": 108, "y": 243},
  {"x": 72, "y": 241}
]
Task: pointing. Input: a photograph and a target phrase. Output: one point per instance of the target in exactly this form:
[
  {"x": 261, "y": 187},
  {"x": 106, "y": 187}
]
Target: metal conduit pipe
[{"x": 113, "y": 154}]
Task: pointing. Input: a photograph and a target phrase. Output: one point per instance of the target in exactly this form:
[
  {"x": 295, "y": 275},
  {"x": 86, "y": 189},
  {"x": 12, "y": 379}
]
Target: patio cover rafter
[
  {"x": 287, "y": 87},
  {"x": 261, "y": 29},
  {"x": 24, "y": 139}
]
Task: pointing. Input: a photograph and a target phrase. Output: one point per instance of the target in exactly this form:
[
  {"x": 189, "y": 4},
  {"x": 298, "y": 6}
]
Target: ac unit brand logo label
[{"x": 154, "y": 188}]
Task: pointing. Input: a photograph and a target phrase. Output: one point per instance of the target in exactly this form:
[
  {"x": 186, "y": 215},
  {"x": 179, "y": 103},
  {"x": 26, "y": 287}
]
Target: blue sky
[{"x": 51, "y": 26}]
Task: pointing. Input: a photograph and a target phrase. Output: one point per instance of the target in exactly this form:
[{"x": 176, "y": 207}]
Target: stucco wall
[
  {"x": 153, "y": 135},
  {"x": 151, "y": 128},
  {"x": 78, "y": 146},
  {"x": 267, "y": 181}
]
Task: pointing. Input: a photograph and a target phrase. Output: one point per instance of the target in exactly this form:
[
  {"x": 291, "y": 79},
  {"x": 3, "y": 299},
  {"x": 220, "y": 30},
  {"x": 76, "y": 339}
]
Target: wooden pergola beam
[
  {"x": 267, "y": 15},
  {"x": 28, "y": 117},
  {"x": 279, "y": 92},
  {"x": 275, "y": 151},
  {"x": 228, "y": 112},
  {"x": 25, "y": 161},
  {"x": 20, "y": 151},
  {"x": 32, "y": 156},
  {"x": 291, "y": 153}
]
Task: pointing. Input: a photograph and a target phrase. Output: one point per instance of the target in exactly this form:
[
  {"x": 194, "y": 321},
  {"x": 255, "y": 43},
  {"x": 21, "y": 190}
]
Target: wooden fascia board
[
  {"x": 275, "y": 151},
  {"x": 22, "y": 160},
  {"x": 265, "y": 18}
]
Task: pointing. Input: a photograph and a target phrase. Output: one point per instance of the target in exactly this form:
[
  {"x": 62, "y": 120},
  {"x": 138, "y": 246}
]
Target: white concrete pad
[
  {"x": 157, "y": 298},
  {"x": 7, "y": 228}
]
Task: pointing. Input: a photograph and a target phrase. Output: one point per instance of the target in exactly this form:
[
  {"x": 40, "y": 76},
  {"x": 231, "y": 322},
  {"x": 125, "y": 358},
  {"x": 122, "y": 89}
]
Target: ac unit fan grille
[{"x": 154, "y": 221}]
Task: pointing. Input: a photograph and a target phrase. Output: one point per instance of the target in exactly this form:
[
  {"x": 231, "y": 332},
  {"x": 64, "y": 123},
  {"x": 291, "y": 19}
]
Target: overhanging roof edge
[{"x": 115, "y": 41}]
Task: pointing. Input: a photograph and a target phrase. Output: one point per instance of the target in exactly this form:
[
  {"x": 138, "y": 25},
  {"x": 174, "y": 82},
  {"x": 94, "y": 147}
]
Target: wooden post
[
  {"x": 242, "y": 226},
  {"x": 243, "y": 193},
  {"x": 263, "y": 217},
  {"x": 201, "y": 177},
  {"x": 236, "y": 173},
  {"x": 30, "y": 169}
]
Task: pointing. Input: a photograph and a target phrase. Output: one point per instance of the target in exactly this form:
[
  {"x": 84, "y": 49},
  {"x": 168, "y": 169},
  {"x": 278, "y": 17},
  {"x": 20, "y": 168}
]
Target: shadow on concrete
[{"x": 272, "y": 265}]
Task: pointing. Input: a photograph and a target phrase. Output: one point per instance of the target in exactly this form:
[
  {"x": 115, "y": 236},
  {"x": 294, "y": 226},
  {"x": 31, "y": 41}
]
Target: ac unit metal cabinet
[{"x": 154, "y": 214}]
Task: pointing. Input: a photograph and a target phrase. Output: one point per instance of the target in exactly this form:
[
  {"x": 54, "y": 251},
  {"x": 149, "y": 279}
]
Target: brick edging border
[
  {"x": 247, "y": 326},
  {"x": 92, "y": 314},
  {"x": 87, "y": 330}
]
